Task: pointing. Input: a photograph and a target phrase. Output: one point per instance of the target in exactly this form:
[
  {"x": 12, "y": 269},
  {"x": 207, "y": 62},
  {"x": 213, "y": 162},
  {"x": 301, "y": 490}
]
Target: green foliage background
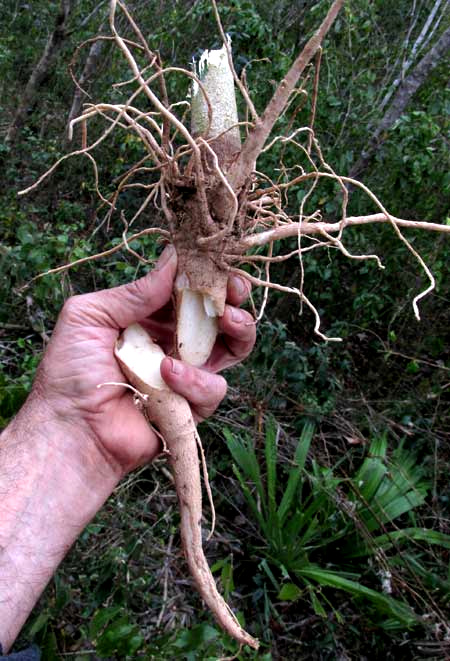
[{"x": 388, "y": 379}]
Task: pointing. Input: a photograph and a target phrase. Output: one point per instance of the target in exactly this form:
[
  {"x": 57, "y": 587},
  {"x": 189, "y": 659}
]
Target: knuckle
[
  {"x": 131, "y": 292},
  {"x": 211, "y": 388},
  {"x": 198, "y": 381},
  {"x": 205, "y": 412},
  {"x": 139, "y": 288},
  {"x": 72, "y": 305}
]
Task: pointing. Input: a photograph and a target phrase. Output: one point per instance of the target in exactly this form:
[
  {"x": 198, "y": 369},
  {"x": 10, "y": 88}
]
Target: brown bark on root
[{"x": 172, "y": 415}]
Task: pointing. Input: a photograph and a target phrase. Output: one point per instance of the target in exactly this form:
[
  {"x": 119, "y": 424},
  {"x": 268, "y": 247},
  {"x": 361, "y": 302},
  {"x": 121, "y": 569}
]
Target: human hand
[
  {"x": 69, "y": 445},
  {"x": 80, "y": 358}
]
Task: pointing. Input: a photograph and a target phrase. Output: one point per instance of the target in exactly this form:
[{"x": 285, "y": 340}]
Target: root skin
[
  {"x": 218, "y": 83},
  {"x": 304, "y": 228},
  {"x": 172, "y": 415}
]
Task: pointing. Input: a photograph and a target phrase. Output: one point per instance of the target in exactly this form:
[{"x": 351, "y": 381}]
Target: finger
[
  {"x": 121, "y": 306},
  {"x": 236, "y": 342},
  {"x": 238, "y": 290},
  {"x": 141, "y": 445},
  {"x": 239, "y": 325},
  {"x": 203, "y": 390}
]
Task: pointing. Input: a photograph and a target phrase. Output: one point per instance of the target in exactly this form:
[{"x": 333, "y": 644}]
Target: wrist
[{"x": 53, "y": 480}]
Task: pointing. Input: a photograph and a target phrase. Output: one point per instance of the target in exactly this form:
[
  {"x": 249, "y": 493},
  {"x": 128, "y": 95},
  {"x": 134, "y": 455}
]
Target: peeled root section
[
  {"x": 200, "y": 292},
  {"x": 196, "y": 327},
  {"x": 140, "y": 359}
]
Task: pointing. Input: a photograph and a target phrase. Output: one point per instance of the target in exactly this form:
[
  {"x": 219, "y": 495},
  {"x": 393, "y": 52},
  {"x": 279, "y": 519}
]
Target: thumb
[{"x": 133, "y": 302}]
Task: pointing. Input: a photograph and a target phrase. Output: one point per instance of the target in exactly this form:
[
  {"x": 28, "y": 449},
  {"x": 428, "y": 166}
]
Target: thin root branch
[
  {"x": 105, "y": 253},
  {"x": 142, "y": 396},
  {"x": 290, "y": 290},
  {"x": 207, "y": 486}
]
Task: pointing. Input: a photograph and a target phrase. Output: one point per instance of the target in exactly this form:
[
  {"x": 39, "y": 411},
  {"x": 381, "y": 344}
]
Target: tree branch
[
  {"x": 259, "y": 134},
  {"x": 42, "y": 68},
  {"x": 88, "y": 71},
  {"x": 401, "y": 99}
]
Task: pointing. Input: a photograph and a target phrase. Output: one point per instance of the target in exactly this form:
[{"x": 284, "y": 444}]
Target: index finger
[
  {"x": 238, "y": 290},
  {"x": 237, "y": 338}
]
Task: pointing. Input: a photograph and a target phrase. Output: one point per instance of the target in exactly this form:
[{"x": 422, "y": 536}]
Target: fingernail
[
  {"x": 176, "y": 366},
  {"x": 167, "y": 254},
  {"x": 239, "y": 285},
  {"x": 237, "y": 315}
]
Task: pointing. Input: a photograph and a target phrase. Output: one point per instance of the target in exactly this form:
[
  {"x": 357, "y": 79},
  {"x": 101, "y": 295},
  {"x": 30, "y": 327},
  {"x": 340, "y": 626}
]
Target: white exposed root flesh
[
  {"x": 217, "y": 78},
  {"x": 142, "y": 356},
  {"x": 196, "y": 327}
]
